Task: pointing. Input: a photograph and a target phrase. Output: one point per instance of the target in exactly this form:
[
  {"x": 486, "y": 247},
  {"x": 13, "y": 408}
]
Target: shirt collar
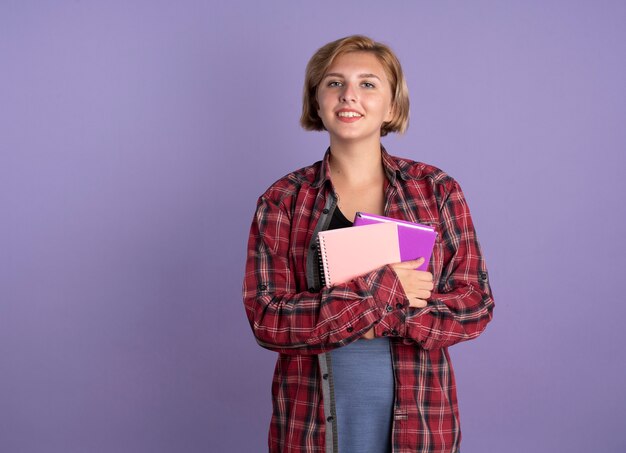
[{"x": 392, "y": 170}]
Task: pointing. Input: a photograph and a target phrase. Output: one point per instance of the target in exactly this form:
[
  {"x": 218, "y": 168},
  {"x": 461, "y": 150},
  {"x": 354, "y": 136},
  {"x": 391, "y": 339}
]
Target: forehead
[{"x": 359, "y": 63}]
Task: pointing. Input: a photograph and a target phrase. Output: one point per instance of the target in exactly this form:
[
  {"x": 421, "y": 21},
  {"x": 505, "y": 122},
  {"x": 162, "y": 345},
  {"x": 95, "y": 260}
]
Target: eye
[
  {"x": 334, "y": 83},
  {"x": 368, "y": 85}
]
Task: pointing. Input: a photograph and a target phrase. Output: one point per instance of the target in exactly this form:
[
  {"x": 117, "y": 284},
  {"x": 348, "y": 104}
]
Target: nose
[{"x": 348, "y": 94}]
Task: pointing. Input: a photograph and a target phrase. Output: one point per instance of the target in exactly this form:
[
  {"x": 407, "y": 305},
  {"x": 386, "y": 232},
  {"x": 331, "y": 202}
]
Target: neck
[{"x": 356, "y": 162}]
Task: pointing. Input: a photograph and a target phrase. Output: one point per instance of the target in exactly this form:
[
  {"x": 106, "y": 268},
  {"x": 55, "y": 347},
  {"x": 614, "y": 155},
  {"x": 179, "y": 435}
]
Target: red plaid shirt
[{"x": 290, "y": 314}]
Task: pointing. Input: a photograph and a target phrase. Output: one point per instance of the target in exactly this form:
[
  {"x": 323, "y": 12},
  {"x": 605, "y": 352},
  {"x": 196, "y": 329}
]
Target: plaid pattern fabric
[{"x": 299, "y": 322}]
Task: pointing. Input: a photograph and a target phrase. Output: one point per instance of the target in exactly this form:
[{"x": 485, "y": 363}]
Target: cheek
[
  {"x": 379, "y": 104},
  {"x": 324, "y": 107},
  {"x": 385, "y": 106},
  {"x": 322, "y": 101}
]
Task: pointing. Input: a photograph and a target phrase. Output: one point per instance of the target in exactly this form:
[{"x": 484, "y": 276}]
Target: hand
[
  {"x": 369, "y": 335},
  {"x": 417, "y": 285}
]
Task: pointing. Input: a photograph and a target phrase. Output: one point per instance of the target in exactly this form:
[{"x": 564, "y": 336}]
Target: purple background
[{"x": 136, "y": 136}]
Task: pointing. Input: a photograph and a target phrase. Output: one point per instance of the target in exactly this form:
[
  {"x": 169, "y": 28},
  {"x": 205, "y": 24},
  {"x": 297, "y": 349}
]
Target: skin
[{"x": 357, "y": 82}]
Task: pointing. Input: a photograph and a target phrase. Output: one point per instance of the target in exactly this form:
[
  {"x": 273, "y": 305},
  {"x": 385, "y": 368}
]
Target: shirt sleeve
[
  {"x": 289, "y": 321},
  {"x": 461, "y": 304}
]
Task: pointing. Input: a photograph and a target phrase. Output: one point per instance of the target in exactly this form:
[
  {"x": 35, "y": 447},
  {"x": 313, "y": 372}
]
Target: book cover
[
  {"x": 416, "y": 240},
  {"x": 349, "y": 252}
]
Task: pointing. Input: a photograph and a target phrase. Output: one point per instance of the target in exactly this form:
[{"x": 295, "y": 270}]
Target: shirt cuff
[{"x": 390, "y": 300}]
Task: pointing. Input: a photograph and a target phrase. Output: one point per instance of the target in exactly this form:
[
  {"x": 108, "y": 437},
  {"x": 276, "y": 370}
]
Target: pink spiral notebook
[
  {"x": 416, "y": 240},
  {"x": 346, "y": 253}
]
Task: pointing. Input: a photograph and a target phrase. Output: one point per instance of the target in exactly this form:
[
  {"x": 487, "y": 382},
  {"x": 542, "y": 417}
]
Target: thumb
[{"x": 412, "y": 264}]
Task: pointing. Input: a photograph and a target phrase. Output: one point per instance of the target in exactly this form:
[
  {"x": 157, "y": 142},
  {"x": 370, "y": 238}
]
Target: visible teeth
[{"x": 349, "y": 114}]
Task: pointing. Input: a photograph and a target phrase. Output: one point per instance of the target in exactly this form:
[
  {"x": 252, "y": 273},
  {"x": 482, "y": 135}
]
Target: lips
[{"x": 348, "y": 116}]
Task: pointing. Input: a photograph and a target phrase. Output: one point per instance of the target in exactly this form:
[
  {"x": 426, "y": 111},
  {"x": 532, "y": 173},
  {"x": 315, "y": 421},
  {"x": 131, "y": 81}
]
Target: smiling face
[{"x": 354, "y": 98}]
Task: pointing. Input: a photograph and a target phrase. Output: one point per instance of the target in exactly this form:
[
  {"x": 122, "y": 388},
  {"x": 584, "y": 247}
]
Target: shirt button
[
  {"x": 385, "y": 333},
  {"x": 330, "y": 419},
  {"x": 399, "y": 306},
  {"x": 349, "y": 329},
  {"x": 262, "y": 287},
  {"x": 394, "y": 332},
  {"x": 325, "y": 211},
  {"x": 325, "y": 376},
  {"x": 311, "y": 289},
  {"x": 389, "y": 308}
]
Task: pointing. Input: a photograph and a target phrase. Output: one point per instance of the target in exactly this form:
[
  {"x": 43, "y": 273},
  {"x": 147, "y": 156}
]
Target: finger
[
  {"x": 413, "y": 282},
  {"x": 412, "y": 264},
  {"x": 369, "y": 335},
  {"x": 424, "y": 276},
  {"x": 417, "y": 303},
  {"x": 422, "y": 294},
  {"x": 425, "y": 285}
]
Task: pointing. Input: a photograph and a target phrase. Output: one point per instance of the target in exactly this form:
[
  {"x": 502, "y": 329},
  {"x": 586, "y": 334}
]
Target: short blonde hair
[{"x": 322, "y": 60}]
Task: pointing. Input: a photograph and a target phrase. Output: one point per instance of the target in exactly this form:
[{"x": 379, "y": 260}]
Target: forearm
[
  {"x": 448, "y": 319},
  {"x": 461, "y": 303},
  {"x": 314, "y": 322}
]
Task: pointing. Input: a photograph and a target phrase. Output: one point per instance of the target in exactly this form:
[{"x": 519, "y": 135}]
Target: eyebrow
[{"x": 361, "y": 76}]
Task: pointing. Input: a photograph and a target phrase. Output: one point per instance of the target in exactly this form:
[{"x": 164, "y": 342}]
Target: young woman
[{"x": 363, "y": 366}]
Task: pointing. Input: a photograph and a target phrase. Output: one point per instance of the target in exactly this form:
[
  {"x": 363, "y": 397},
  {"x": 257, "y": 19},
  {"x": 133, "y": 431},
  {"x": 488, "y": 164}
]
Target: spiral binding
[{"x": 322, "y": 260}]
